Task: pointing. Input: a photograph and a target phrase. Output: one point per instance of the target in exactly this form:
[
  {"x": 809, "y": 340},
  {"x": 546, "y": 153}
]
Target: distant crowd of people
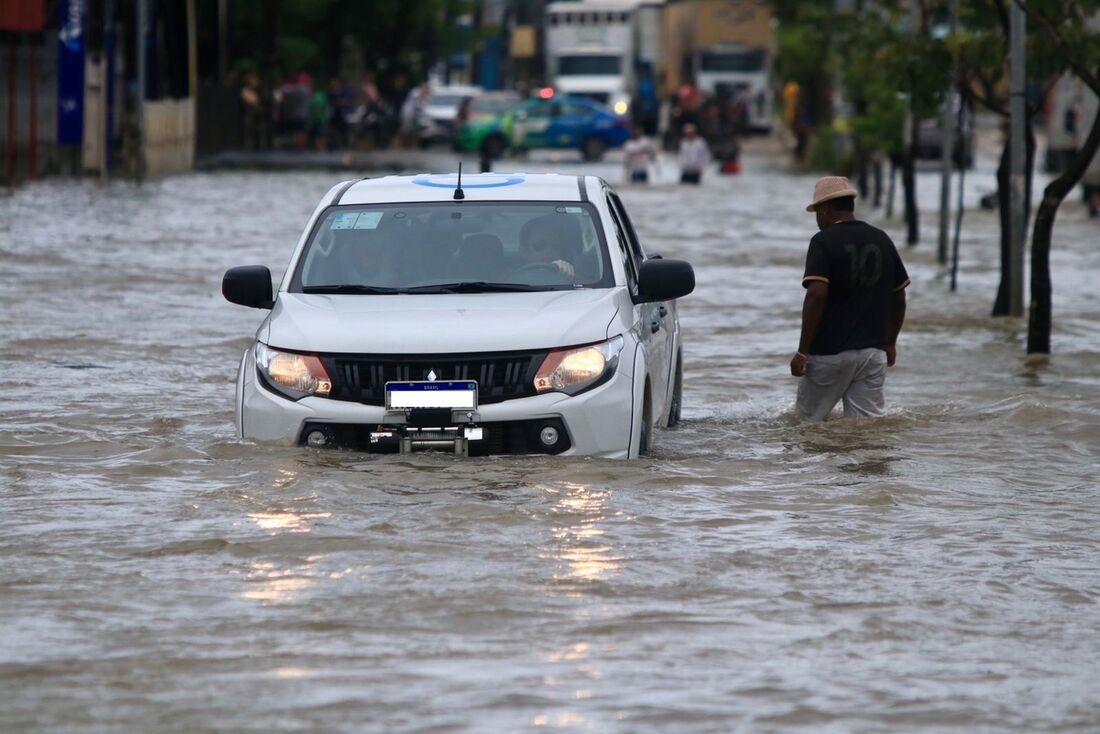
[{"x": 303, "y": 113}]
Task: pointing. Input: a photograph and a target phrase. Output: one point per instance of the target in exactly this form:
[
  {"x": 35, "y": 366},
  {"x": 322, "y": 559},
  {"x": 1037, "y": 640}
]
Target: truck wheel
[
  {"x": 593, "y": 149},
  {"x": 493, "y": 147}
]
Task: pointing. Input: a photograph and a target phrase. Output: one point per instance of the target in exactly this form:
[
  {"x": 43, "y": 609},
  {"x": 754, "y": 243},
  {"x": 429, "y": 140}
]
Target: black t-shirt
[{"x": 863, "y": 270}]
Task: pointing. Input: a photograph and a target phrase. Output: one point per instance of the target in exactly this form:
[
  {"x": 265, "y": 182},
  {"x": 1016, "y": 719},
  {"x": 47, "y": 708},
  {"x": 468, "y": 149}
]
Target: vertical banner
[{"x": 70, "y": 72}]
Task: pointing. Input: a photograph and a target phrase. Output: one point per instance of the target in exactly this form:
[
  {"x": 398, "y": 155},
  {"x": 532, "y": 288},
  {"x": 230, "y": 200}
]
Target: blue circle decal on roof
[{"x": 479, "y": 181}]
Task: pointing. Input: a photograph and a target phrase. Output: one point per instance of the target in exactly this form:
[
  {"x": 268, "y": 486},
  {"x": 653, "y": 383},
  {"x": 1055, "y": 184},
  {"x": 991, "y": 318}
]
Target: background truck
[
  {"x": 590, "y": 50},
  {"x": 726, "y": 48}
]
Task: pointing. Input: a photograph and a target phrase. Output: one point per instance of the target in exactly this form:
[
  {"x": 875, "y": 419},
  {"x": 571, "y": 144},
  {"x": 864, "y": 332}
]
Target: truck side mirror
[
  {"x": 664, "y": 280},
  {"x": 249, "y": 285}
]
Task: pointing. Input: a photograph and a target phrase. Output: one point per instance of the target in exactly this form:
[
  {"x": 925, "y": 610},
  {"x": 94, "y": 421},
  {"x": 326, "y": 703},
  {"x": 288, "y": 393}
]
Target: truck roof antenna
[{"x": 459, "y": 195}]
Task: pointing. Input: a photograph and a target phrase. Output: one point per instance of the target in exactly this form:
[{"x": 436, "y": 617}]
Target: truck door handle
[
  {"x": 654, "y": 326},
  {"x": 662, "y": 311}
]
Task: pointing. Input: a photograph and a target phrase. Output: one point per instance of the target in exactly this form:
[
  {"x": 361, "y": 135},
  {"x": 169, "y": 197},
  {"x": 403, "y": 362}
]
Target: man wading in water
[{"x": 854, "y": 308}]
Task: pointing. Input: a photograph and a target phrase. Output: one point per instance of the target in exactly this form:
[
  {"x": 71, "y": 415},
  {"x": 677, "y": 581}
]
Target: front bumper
[{"x": 595, "y": 423}]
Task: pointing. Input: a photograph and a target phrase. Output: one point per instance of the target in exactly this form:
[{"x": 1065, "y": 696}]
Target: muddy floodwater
[{"x": 937, "y": 570}]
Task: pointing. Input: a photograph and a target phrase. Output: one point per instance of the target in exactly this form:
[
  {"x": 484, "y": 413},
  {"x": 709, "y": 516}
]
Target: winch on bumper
[{"x": 538, "y": 436}]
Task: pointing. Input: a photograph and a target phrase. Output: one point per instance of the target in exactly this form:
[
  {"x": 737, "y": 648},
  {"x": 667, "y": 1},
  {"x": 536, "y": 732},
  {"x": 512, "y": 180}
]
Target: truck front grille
[{"x": 500, "y": 376}]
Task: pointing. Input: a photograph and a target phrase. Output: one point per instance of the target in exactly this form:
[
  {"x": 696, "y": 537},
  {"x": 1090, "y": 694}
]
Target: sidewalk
[{"x": 395, "y": 159}]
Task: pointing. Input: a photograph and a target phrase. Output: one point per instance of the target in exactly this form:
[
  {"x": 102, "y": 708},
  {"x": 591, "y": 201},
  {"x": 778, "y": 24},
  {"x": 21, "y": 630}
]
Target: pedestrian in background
[
  {"x": 638, "y": 153},
  {"x": 694, "y": 155},
  {"x": 317, "y": 119},
  {"x": 853, "y": 310},
  {"x": 252, "y": 106},
  {"x": 293, "y": 98}
]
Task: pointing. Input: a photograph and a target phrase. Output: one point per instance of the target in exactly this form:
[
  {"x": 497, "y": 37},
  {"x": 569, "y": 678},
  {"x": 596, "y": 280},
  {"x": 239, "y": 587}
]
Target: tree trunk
[
  {"x": 909, "y": 186},
  {"x": 1001, "y": 303},
  {"x": 1039, "y": 312}
]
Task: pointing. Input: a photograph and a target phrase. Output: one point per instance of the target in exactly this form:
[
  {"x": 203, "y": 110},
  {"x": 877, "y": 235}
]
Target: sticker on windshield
[
  {"x": 368, "y": 220},
  {"x": 344, "y": 220},
  {"x": 570, "y": 210},
  {"x": 356, "y": 220}
]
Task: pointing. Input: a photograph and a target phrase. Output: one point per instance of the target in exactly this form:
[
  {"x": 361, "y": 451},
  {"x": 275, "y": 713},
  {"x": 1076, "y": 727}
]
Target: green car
[{"x": 547, "y": 122}]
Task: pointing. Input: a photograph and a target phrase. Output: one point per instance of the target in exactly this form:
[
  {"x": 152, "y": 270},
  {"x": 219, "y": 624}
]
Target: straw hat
[{"x": 828, "y": 188}]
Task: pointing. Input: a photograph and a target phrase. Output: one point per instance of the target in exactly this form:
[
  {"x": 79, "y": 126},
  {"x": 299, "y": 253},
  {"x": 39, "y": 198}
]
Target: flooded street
[{"x": 935, "y": 570}]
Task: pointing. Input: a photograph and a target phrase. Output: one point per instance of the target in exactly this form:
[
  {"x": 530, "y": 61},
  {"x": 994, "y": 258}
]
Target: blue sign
[
  {"x": 478, "y": 181},
  {"x": 70, "y": 72}
]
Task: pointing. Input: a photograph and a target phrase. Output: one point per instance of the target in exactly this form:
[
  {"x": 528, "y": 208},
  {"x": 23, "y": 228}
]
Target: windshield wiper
[
  {"x": 350, "y": 288},
  {"x": 474, "y": 286}
]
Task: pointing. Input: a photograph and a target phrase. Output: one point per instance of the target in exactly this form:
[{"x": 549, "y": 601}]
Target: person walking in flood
[
  {"x": 694, "y": 155},
  {"x": 852, "y": 312},
  {"x": 638, "y": 153}
]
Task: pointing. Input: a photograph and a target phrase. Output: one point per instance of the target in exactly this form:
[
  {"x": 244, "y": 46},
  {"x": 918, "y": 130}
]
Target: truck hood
[{"x": 440, "y": 324}]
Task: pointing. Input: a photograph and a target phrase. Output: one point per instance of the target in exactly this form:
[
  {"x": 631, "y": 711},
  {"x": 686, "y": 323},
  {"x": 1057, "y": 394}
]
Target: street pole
[
  {"x": 947, "y": 151},
  {"x": 1017, "y": 35},
  {"x": 193, "y": 76},
  {"x": 223, "y": 42},
  {"x": 142, "y": 25}
]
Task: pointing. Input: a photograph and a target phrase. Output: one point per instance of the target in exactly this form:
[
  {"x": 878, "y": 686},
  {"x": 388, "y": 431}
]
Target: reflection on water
[
  {"x": 293, "y": 673},
  {"x": 562, "y": 720},
  {"x": 269, "y": 583},
  {"x": 288, "y": 520},
  {"x": 579, "y": 538}
]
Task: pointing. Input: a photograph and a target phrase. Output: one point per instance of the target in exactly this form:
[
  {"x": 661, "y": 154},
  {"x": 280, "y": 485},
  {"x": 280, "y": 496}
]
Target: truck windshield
[
  {"x": 454, "y": 247},
  {"x": 588, "y": 65},
  {"x": 732, "y": 61}
]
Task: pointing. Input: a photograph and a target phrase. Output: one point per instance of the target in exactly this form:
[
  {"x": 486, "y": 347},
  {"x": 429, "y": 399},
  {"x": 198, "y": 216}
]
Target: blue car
[{"x": 548, "y": 122}]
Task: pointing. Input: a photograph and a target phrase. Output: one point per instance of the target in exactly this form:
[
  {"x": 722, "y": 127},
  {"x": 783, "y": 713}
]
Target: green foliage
[
  {"x": 887, "y": 67},
  {"x": 806, "y": 54},
  {"x": 823, "y": 154},
  {"x": 397, "y": 40}
]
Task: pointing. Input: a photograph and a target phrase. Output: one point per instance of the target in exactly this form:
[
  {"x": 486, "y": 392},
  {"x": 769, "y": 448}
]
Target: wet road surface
[{"x": 933, "y": 571}]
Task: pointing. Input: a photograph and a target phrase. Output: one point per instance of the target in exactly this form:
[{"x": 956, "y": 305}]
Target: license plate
[{"x": 454, "y": 394}]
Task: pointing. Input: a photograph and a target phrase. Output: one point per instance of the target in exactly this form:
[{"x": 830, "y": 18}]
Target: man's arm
[
  {"x": 897, "y": 318},
  {"x": 813, "y": 309}
]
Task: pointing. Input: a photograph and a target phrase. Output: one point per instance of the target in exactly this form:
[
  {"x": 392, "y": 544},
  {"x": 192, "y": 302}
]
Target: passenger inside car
[{"x": 355, "y": 257}]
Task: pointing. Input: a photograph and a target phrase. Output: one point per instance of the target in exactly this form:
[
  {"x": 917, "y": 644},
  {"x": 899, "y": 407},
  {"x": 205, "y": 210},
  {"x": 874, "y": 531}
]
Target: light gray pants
[{"x": 857, "y": 377}]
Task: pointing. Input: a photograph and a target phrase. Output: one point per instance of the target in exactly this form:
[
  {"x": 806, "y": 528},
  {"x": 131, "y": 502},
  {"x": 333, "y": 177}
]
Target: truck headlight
[
  {"x": 293, "y": 375},
  {"x": 575, "y": 370}
]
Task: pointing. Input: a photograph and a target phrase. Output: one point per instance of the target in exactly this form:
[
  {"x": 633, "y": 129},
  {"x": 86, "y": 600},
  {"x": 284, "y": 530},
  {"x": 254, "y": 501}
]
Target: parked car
[
  {"x": 516, "y": 315},
  {"x": 437, "y": 120},
  {"x": 548, "y": 121}
]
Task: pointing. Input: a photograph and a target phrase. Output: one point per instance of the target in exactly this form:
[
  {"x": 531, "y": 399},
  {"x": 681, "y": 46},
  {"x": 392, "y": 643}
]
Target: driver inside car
[{"x": 548, "y": 241}]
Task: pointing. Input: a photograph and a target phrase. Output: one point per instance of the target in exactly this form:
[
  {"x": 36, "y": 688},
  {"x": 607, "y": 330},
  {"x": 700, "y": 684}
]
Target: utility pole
[
  {"x": 193, "y": 76},
  {"x": 1017, "y": 157},
  {"x": 142, "y": 33},
  {"x": 223, "y": 41},
  {"x": 947, "y": 152}
]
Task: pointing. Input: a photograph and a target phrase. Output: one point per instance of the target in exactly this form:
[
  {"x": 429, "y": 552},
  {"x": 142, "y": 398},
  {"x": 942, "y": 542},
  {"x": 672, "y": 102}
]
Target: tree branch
[
  {"x": 989, "y": 104},
  {"x": 1071, "y": 58}
]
